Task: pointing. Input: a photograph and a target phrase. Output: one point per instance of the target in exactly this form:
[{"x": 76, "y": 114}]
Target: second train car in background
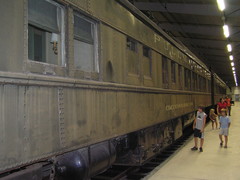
[{"x": 88, "y": 83}]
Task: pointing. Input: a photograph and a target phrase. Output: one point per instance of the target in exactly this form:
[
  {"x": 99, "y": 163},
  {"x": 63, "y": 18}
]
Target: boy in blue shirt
[{"x": 224, "y": 127}]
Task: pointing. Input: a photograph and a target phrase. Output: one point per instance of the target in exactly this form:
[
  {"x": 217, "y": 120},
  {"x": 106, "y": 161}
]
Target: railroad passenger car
[{"x": 88, "y": 83}]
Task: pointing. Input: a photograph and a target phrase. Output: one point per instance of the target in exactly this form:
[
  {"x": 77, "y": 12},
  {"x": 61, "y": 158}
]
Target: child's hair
[
  {"x": 224, "y": 110},
  {"x": 212, "y": 111},
  {"x": 201, "y": 107}
]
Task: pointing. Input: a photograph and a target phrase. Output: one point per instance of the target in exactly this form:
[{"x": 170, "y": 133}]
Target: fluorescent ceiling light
[
  {"x": 233, "y": 68},
  {"x": 221, "y": 5},
  {"x": 232, "y": 63},
  {"x": 225, "y": 30},
  {"x": 229, "y": 48},
  {"x": 231, "y": 57}
]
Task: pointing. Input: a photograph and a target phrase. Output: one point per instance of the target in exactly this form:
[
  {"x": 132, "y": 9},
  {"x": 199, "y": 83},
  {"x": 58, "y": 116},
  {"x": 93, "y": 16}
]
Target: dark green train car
[{"x": 88, "y": 83}]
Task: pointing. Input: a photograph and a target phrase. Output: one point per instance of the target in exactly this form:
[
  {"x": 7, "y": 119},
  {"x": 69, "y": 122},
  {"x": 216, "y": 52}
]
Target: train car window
[
  {"x": 190, "y": 79},
  {"x": 187, "y": 79},
  {"x": 180, "y": 76},
  {"x": 194, "y": 81},
  {"x": 131, "y": 44},
  {"x": 85, "y": 44},
  {"x": 46, "y": 32},
  {"x": 164, "y": 70},
  {"x": 204, "y": 84},
  {"x": 133, "y": 64},
  {"x": 173, "y": 72},
  {"x": 199, "y": 83},
  {"x": 146, "y": 52},
  {"x": 209, "y": 86},
  {"x": 147, "y": 61}
]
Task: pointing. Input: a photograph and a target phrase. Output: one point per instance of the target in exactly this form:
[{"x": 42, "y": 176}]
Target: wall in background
[{"x": 234, "y": 93}]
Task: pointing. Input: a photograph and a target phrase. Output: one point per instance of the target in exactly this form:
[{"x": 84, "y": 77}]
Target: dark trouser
[{"x": 229, "y": 110}]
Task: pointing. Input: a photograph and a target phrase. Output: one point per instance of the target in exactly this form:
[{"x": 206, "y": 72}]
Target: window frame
[
  {"x": 180, "y": 75},
  {"x": 61, "y": 34},
  {"x": 149, "y": 57},
  {"x": 173, "y": 72},
  {"x": 44, "y": 68},
  {"x": 187, "y": 78},
  {"x": 133, "y": 55},
  {"x": 165, "y": 80},
  {"x": 129, "y": 39},
  {"x": 93, "y": 22}
]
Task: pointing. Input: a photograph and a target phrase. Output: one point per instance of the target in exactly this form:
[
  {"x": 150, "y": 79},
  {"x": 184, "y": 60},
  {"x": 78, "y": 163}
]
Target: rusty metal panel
[
  {"x": 29, "y": 124},
  {"x": 42, "y": 116},
  {"x": 11, "y": 125}
]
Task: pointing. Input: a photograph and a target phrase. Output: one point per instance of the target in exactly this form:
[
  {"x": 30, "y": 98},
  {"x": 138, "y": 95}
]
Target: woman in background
[
  {"x": 228, "y": 101},
  {"x": 221, "y": 105}
]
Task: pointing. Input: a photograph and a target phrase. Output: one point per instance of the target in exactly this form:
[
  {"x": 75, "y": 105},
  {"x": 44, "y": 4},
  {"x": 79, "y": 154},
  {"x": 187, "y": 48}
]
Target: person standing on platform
[
  {"x": 228, "y": 101},
  {"x": 221, "y": 105},
  {"x": 198, "y": 126},
  {"x": 224, "y": 127},
  {"x": 213, "y": 118}
]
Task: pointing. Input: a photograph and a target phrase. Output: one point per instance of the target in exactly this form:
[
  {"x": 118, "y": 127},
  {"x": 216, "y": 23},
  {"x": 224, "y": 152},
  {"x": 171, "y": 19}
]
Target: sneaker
[
  {"x": 200, "y": 149},
  {"x": 194, "y": 148},
  {"x": 225, "y": 146}
]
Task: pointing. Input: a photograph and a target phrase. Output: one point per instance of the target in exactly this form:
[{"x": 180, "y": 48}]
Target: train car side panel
[{"x": 12, "y": 39}]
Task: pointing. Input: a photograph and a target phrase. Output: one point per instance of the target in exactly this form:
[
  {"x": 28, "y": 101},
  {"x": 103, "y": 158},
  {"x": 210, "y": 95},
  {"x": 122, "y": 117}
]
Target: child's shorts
[
  {"x": 197, "y": 133},
  {"x": 223, "y": 131}
]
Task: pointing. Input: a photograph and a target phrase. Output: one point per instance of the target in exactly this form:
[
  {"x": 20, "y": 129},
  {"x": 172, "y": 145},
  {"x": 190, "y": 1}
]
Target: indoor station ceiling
[{"x": 198, "y": 24}]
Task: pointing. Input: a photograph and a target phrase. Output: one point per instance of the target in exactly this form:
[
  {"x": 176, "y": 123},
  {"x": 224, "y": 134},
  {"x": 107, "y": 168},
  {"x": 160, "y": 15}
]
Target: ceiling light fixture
[
  {"x": 221, "y": 5},
  {"x": 231, "y": 57},
  {"x": 233, "y": 68},
  {"x": 232, "y": 63},
  {"x": 229, "y": 48},
  {"x": 226, "y": 30}
]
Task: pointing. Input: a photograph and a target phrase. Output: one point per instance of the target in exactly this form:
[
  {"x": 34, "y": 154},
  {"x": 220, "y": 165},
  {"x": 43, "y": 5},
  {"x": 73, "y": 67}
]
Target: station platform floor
[{"x": 214, "y": 163}]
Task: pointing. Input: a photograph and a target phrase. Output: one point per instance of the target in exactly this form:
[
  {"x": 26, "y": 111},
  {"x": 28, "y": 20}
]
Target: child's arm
[
  {"x": 217, "y": 109},
  {"x": 194, "y": 123},
  {"x": 229, "y": 125}
]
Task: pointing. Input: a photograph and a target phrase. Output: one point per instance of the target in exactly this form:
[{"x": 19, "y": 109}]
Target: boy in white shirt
[{"x": 198, "y": 127}]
